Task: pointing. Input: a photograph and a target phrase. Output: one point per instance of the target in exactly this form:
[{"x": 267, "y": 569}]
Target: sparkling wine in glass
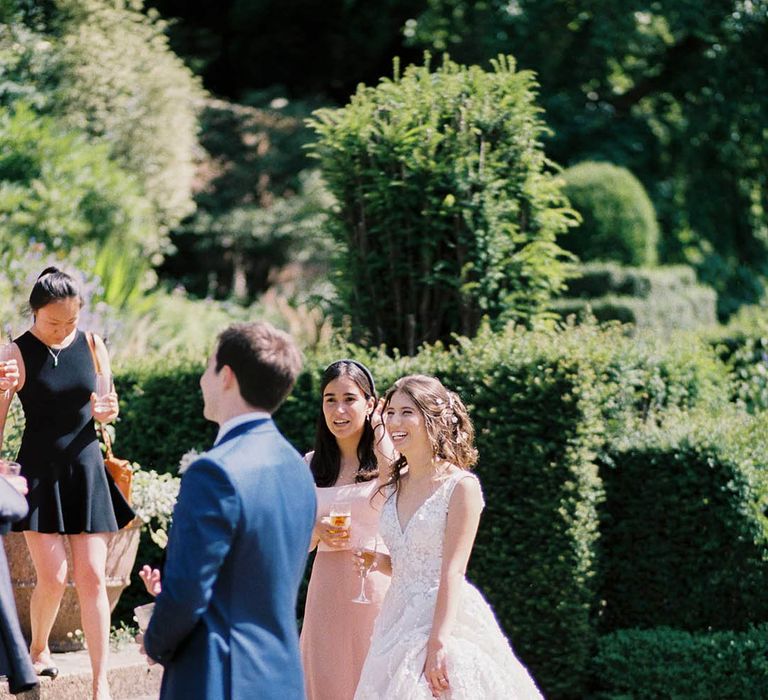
[
  {"x": 340, "y": 518},
  {"x": 365, "y": 551}
]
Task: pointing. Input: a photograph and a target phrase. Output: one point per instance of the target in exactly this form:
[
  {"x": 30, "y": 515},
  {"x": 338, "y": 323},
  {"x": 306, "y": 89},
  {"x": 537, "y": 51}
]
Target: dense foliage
[
  {"x": 684, "y": 525},
  {"x": 58, "y": 189},
  {"x": 666, "y": 663},
  {"x": 675, "y": 91},
  {"x": 444, "y": 200},
  {"x": 104, "y": 70},
  {"x": 618, "y": 220}
]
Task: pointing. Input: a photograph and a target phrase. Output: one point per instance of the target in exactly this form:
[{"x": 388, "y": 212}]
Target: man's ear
[{"x": 228, "y": 377}]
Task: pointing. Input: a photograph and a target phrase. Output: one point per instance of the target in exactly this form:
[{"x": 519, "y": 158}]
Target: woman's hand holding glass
[
  {"x": 104, "y": 404},
  {"x": 365, "y": 553},
  {"x": 9, "y": 370},
  {"x": 335, "y": 528}
]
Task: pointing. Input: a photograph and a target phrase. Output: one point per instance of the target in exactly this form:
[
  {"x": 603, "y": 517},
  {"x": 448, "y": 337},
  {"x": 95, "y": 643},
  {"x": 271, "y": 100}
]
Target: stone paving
[{"x": 130, "y": 678}]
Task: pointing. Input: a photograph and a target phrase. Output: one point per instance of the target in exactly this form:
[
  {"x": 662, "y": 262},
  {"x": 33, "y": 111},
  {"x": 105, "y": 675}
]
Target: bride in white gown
[{"x": 435, "y": 636}]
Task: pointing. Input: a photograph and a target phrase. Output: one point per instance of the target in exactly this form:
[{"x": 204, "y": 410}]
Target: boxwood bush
[
  {"x": 545, "y": 404},
  {"x": 743, "y": 346},
  {"x": 667, "y": 299},
  {"x": 664, "y": 663},
  {"x": 619, "y": 221},
  {"x": 684, "y": 525}
]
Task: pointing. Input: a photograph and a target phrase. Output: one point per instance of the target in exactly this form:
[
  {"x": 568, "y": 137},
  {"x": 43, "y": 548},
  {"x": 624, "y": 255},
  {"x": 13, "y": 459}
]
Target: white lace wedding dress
[{"x": 481, "y": 664}]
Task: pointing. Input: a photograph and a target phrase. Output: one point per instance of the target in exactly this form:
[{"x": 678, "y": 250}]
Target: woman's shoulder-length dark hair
[{"x": 326, "y": 460}]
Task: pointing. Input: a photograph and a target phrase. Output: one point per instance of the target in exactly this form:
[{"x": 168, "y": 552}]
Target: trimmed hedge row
[
  {"x": 743, "y": 346},
  {"x": 684, "y": 525},
  {"x": 544, "y": 404},
  {"x": 666, "y": 299},
  {"x": 663, "y": 663}
]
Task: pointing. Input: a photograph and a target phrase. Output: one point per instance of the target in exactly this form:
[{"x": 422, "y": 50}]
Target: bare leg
[
  {"x": 50, "y": 560},
  {"x": 89, "y": 557}
]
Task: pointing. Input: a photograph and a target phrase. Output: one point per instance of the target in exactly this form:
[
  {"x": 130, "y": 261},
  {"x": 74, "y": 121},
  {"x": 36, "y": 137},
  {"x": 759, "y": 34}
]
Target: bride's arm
[{"x": 460, "y": 529}]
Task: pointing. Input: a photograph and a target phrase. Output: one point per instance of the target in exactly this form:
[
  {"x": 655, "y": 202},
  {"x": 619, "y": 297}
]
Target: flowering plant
[{"x": 154, "y": 496}]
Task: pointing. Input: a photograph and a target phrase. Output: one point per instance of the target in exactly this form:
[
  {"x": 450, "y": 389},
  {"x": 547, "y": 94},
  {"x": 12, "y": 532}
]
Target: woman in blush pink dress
[{"x": 351, "y": 447}]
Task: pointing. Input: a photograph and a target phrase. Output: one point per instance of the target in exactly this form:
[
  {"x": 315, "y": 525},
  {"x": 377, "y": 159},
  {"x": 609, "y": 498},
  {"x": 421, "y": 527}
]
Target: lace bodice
[
  {"x": 480, "y": 661},
  {"x": 417, "y": 549}
]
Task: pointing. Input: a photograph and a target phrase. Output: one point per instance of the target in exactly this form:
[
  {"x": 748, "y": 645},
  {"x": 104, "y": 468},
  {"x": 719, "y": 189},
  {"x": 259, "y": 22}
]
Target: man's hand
[
  {"x": 140, "y": 641},
  {"x": 151, "y": 578}
]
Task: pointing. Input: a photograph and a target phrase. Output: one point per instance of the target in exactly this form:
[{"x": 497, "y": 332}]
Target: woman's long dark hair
[{"x": 326, "y": 461}]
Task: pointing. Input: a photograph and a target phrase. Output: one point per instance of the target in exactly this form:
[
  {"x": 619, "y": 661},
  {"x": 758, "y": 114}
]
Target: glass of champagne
[
  {"x": 365, "y": 552},
  {"x": 340, "y": 517},
  {"x": 103, "y": 388}
]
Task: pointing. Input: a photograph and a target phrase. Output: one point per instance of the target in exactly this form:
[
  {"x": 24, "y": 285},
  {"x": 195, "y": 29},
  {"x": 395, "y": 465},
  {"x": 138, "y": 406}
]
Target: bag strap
[{"x": 97, "y": 366}]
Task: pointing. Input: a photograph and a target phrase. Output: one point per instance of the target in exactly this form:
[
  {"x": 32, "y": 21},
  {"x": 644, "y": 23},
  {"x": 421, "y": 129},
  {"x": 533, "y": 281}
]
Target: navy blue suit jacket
[{"x": 224, "y": 625}]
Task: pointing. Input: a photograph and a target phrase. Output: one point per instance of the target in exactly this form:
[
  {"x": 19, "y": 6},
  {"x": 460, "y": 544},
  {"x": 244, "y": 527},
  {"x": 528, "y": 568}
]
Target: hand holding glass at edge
[
  {"x": 104, "y": 400},
  {"x": 339, "y": 523},
  {"x": 9, "y": 374},
  {"x": 365, "y": 556}
]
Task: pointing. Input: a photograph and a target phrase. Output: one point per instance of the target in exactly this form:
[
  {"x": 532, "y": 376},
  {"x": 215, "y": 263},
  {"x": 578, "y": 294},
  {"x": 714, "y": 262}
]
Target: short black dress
[{"x": 70, "y": 491}]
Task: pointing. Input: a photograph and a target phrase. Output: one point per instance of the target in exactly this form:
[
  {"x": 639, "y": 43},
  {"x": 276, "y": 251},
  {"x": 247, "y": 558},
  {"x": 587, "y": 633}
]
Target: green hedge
[
  {"x": 743, "y": 346},
  {"x": 665, "y": 663},
  {"x": 544, "y": 404},
  {"x": 161, "y": 412},
  {"x": 619, "y": 221},
  {"x": 684, "y": 527},
  {"x": 666, "y": 299}
]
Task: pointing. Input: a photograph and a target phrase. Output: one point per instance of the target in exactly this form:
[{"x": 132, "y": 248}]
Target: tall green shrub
[
  {"x": 122, "y": 83},
  {"x": 618, "y": 218},
  {"x": 446, "y": 210},
  {"x": 684, "y": 525}
]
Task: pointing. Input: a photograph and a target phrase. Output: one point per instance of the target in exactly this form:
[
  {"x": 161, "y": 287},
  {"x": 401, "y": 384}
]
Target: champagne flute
[
  {"x": 365, "y": 551},
  {"x": 340, "y": 518}
]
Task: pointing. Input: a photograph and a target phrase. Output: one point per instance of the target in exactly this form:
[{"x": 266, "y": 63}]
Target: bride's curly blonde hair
[{"x": 446, "y": 418}]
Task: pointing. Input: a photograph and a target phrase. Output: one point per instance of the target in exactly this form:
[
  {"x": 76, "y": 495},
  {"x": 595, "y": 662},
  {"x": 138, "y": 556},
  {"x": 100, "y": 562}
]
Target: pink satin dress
[{"x": 336, "y": 632}]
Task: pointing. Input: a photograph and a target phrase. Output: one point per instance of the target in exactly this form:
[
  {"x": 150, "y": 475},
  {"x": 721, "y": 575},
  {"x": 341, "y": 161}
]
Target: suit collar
[{"x": 240, "y": 429}]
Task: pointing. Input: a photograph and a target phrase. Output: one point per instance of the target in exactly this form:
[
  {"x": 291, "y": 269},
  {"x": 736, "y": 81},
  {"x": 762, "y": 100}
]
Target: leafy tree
[
  {"x": 675, "y": 91},
  {"x": 105, "y": 68},
  {"x": 446, "y": 210},
  {"x": 58, "y": 189},
  {"x": 258, "y": 205}
]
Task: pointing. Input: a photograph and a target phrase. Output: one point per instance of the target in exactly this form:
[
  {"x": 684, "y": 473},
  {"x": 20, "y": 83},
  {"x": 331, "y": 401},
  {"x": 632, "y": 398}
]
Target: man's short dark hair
[{"x": 265, "y": 361}]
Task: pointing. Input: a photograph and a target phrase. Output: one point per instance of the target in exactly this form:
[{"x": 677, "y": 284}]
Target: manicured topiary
[
  {"x": 667, "y": 663},
  {"x": 684, "y": 526},
  {"x": 619, "y": 221}
]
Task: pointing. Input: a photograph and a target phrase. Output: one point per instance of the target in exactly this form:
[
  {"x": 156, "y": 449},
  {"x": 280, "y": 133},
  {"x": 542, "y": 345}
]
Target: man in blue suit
[{"x": 224, "y": 623}]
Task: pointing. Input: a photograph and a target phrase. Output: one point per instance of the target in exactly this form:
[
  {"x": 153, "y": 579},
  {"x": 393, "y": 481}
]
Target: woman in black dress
[{"x": 70, "y": 492}]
